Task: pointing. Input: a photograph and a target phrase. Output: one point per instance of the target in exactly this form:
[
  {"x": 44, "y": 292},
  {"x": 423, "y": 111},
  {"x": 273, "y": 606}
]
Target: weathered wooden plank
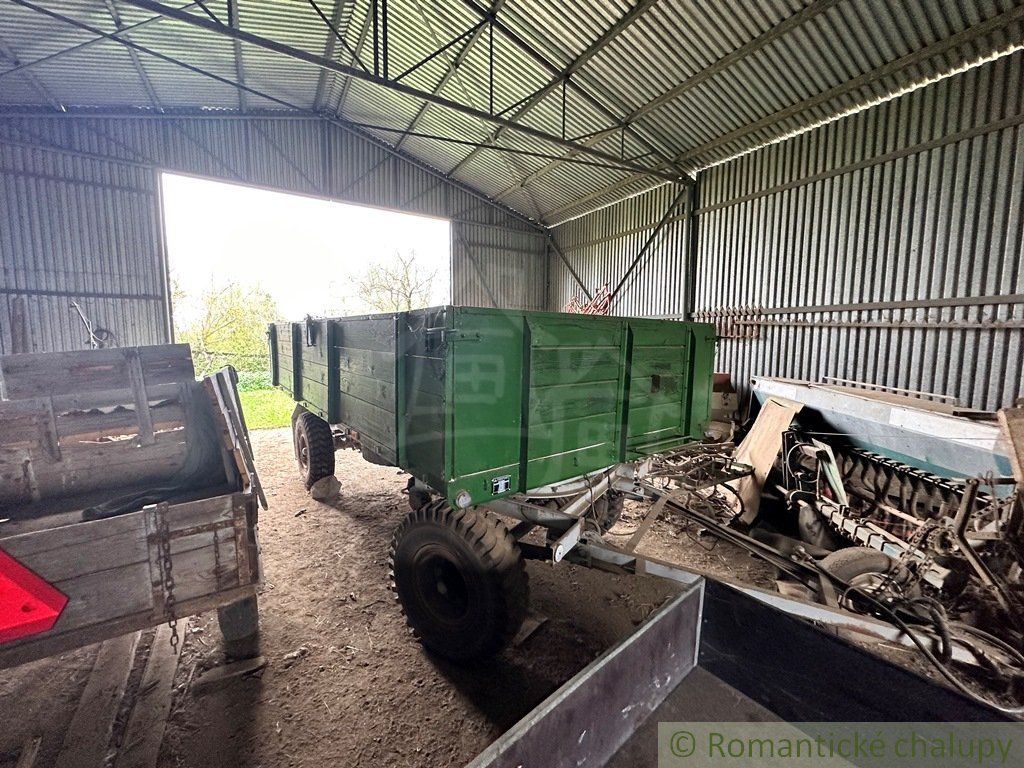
[
  {"x": 88, "y": 736},
  {"x": 197, "y": 572},
  {"x": 61, "y": 532},
  {"x": 204, "y": 511},
  {"x": 377, "y": 391},
  {"x": 378, "y": 365},
  {"x": 137, "y": 380},
  {"x": 86, "y": 426},
  {"x": 90, "y": 466},
  {"x": 375, "y": 334},
  {"x": 110, "y": 398},
  {"x": 39, "y": 646},
  {"x": 1012, "y": 421},
  {"x": 181, "y": 516},
  {"x": 19, "y": 426},
  {"x": 63, "y": 563},
  {"x": 104, "y": 566},
  {"x": 64, "y": 373},
  {"x": 145, "y": 730},
  {"x": 102, "y": 595}
]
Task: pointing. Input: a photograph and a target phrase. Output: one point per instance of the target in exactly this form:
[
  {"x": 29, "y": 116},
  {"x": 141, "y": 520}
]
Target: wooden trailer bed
[{"x": 128, "y": 487}]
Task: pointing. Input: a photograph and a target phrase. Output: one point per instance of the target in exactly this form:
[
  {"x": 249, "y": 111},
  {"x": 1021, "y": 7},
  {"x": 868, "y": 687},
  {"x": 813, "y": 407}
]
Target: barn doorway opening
[{"x": 239, "y": 257}]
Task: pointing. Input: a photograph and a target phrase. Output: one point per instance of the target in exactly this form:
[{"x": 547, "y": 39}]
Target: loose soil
[{"x": 345, "y": 684}]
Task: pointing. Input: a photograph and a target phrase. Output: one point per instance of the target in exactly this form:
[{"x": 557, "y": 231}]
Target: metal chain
[{"x": 166, "y": 572}]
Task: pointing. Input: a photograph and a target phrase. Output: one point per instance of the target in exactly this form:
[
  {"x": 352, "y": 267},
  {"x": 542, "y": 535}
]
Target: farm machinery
[
  {"x": 525, "y": 432},
  {"x": 547, "y": 419}
]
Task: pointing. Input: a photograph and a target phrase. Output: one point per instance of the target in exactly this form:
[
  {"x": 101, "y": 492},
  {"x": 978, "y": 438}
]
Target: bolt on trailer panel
[{"x": 482, "y": 403}]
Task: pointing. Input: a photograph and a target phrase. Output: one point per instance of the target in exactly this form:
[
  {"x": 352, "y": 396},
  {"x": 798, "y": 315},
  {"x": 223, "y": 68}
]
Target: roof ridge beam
[
  {"x": 448, "y": 75},
  {"x": 553, "y": 69},
  {"x": 769, "y": 35},
  {"x": 318, "y": 61},
  {"x": 535, "y": 98},
  {"x": 87, "y": 44}
]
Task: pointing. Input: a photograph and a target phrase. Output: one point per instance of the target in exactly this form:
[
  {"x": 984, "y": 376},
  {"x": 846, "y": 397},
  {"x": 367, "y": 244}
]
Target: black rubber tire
[
  {"x": 849, "y": 563},
  {"x": 853, "y": 563},
  {"x": 460, "y": 579},
  {"x": 314, "y": 447}
]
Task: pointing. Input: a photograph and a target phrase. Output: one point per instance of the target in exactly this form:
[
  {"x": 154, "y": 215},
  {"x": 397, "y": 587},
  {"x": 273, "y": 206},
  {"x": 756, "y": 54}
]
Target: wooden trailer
[{"x": 128, "y": 498}]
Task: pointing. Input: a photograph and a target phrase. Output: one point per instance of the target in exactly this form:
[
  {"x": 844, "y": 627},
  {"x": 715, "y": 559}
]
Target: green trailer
[{"x": 542, "y": 417}]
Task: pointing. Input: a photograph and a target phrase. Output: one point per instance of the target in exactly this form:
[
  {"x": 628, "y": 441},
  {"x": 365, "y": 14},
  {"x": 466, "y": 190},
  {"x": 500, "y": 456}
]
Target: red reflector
[{"x": 28, "y": 605}]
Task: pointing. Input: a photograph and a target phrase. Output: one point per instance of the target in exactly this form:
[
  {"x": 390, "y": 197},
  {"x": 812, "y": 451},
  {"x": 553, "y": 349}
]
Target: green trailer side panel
[
  {"x": 485, "y": 353},
  {"x": 659, "y": 384},
  {"x": 494, "y": 402},
  {"x": 300, "y": 361},
  {"x": 574, "y": 395},
  {"x": 702, "y": 369},
  {"x": 422, "y": 394},
  {"x": 366, "y": 373},
  {"x": 316, "y": 381}
]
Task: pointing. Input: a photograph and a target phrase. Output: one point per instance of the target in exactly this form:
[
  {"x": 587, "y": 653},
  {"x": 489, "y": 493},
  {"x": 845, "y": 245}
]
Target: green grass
[{"x": 266, "y": 408}]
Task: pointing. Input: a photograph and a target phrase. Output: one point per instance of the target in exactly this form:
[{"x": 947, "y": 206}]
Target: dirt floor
[{"x": 345, "y": 684}]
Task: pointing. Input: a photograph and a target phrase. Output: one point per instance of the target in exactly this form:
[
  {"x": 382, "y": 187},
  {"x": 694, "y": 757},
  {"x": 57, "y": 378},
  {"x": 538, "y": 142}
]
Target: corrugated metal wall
[
  {"x": 602, "y": 245},
  {"x": 75, "y": 229},
  {"x": 886, "y": 247},
  {"x": 79, "y": 214}
]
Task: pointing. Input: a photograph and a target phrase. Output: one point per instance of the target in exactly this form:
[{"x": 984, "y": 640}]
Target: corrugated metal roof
[{"x": 696, "y": 83}]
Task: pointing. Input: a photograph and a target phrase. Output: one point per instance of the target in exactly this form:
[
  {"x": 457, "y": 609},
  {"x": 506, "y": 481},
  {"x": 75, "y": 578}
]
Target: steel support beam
[
  {"x": 29, "y": 77},
  {"x": 448, "y": 75},
  {"x": 692, "y": 251},
  {"x": 136, "y": 62},
  {"x": 586, "y": 95},
  {"x": 347, "y": 83},
  {"x": 87, "y": 44},
  {"x": 649, "y": 242},
  {"x": 759, "y": 42},
  {"x": 243, "y": 102},
  {"x": 332, "y": 41},
  {"x": 456, "y": 230},
  {"x": 318, "y": 61},
  {"x": 937, "y": 48},
  {"x": 562, "y": 77},
  {"x": 558, "y": 250},
  {"x": 470, "y": 143},
  {"x": 344, "y": 125}
]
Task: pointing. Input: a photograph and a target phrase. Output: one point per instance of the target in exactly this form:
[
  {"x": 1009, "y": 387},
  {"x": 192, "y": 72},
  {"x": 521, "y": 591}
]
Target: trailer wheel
[
  {"x": 867, "y": 569},
  {"x": 460, "y": 579},
  {"x": 314, "y": 447}
]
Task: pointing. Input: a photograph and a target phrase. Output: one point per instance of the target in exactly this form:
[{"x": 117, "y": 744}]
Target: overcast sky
[{"x": 307, "y": 253}]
